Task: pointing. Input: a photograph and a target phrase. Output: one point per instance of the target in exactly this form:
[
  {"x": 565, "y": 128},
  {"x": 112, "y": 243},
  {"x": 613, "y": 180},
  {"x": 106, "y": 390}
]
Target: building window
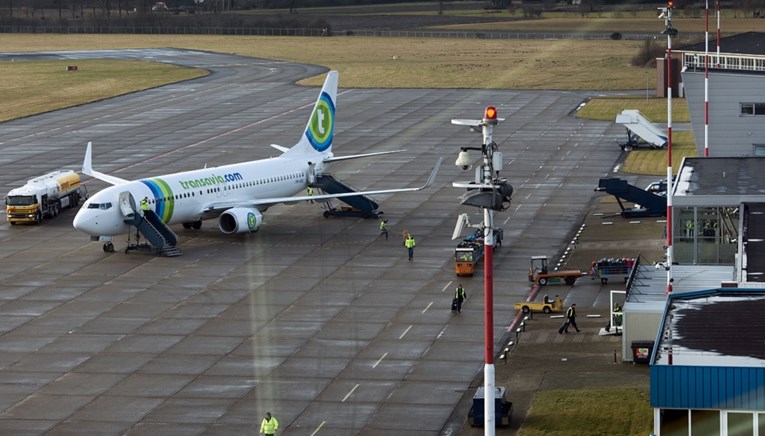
[
  {"x": 740, "y": 423},
  {"x": 705, "y": 422},
  {"x": 759, "y": 149},
  {"x": 748, "y": 109}
]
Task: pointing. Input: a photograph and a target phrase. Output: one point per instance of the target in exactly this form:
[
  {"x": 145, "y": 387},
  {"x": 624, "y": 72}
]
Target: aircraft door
[
  {"x": 311, "y": 174},
  {"x": 127, "y": 203}
]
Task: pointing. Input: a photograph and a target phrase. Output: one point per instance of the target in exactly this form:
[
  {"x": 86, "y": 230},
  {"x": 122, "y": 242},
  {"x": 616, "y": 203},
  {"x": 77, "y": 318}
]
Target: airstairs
[
  {"x": 652, "y": 205},
  {"x": 640, "y": 130},
  {"x": 159, "y": 237},
  {"x": 329, "y": 184}
]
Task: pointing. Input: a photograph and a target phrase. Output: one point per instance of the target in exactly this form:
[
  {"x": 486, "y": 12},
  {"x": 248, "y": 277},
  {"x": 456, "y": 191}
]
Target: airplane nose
[{"x": 83, "y": 222}]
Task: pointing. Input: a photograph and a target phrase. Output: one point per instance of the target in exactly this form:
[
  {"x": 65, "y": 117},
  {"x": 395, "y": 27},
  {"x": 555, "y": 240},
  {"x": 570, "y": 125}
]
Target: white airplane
[{"x": 237, "y": 194}]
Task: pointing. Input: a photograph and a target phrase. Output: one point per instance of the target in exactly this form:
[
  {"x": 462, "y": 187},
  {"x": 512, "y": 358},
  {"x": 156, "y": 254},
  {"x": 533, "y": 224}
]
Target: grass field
[
  {"x": 42, "y": 86},
  {"x": 581, "y": 412},
  {"x": 404, "y": 63}
]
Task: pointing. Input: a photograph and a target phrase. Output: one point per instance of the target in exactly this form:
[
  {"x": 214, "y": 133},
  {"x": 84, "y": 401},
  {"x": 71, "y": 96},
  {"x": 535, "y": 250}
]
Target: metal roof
[
  {"x": 650, "y": 284},
  {"x": 717, "y": 327},
  {"x": 752, "y": 43},
  {"x": 720, "y": 181}
]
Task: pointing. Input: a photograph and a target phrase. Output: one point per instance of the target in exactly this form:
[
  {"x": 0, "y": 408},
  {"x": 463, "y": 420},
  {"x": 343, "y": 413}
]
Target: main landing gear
[
  {"x": 196, "y": 225},
  {"x": 108, "y": 247}
]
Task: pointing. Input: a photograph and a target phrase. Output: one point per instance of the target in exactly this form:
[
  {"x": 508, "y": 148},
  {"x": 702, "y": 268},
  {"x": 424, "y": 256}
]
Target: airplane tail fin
[{"x": 319, "y": 132}]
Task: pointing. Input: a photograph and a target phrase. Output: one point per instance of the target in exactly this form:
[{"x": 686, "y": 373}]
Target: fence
[{"x": 266, "y": 31}]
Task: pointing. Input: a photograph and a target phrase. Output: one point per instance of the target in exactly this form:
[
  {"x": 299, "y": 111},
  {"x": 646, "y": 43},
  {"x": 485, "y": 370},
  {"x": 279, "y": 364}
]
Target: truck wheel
[
  {"x": 570, "y": 281},
  {"x": 603, "y": 281},
  {"x": 525, "y": 309},
  {"x": 547, "y": 309},
  {"x": 543, "y": 281},
  {"x": 326, "y": 214}
]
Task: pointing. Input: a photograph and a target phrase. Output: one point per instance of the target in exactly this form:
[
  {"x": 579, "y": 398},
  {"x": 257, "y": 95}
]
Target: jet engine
[{"x": 240, "y": 220}]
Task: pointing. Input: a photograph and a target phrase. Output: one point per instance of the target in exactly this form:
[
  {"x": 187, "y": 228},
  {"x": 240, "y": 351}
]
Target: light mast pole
[{"x": 489, "y": 192}]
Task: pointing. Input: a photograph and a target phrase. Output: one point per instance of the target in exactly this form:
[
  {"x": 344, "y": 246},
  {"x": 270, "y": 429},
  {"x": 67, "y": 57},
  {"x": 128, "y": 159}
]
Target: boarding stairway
[
  {"x": 652, "y": 205},
  {"x": 640, "y": 130},
  {"x": 331, "y": 185},
  {"x": 150, "y": 225}
]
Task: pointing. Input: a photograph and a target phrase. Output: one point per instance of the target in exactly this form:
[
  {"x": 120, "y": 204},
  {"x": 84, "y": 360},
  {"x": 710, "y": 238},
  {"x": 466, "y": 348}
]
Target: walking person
[
  {"x": 409, "y": 244},
  {"x": 571, "y": 318},
  {"x": 384, "y": 228},
  {"x": 309, "y": 192},
  {"x": 459, "y": 296},
  {"x": 269, "y": 425}
]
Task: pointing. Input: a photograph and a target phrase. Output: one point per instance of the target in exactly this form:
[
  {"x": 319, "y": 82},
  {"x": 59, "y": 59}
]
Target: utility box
[{"x": 502, "y": 408}]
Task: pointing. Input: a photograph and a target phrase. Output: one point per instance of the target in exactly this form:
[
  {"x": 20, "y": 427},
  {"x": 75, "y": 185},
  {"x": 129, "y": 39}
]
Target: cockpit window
[{"x": 102, "y": 206}]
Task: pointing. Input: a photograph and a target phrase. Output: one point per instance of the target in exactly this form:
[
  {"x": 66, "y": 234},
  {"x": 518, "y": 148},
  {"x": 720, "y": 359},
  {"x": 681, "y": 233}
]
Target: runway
[{"x": 317, "y": 320}]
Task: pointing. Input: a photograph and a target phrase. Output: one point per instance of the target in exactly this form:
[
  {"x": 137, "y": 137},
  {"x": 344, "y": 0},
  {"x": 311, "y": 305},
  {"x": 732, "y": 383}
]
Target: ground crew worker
[
  {"x": 409, "y": 244},
  {"x": 571, "y": 318},
  {"x": 269, "y": 425},
  {"x": 460, "y": 296},
  {"x": 309, "y": 191},
  {"x": 145, "y": 204},
  {"x": 384, "y": 228}
]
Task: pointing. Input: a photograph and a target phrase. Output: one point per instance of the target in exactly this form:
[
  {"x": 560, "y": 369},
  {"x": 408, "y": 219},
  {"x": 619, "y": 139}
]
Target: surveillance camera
[{"x": 464, "y": 161}]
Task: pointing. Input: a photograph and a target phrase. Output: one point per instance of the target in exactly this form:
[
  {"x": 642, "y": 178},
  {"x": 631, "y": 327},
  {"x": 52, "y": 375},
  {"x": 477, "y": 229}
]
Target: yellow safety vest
[{"x": 269, "y": 426}]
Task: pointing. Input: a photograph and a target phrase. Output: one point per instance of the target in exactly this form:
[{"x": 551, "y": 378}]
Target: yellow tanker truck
[{"x": 44, "y": 196}]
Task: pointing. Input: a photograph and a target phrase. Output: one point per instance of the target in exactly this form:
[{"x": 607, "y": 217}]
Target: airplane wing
[
  {"x": 217, "y": 208},
  {"x": 87, "y": 168},
  {"x": 356, "y": 156},
  {"x": 351, "y": 194}
]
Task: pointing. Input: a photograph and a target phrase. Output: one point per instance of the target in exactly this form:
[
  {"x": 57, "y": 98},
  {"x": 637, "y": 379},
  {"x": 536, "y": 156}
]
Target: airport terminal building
[{"x": 705, "y": 341}]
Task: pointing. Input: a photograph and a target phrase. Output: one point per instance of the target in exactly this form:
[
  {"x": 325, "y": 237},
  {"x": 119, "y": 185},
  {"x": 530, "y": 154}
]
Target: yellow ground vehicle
[
  {"x": 547, "y": 305},
  {"x": 466, "y": 258},
  {"x": 470, "y": 251},
  {"x": 538, "y": 273}
]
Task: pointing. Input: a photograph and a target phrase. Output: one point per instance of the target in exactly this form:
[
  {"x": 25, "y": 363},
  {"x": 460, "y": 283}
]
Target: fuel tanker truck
[{"x": 44, "y": 196}]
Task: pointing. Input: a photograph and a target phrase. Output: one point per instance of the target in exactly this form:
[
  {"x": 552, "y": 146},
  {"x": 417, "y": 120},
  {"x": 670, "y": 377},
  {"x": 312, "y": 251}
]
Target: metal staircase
[
  {"x": 151, "y": 226},
  {"x": 331, "y": 185}
]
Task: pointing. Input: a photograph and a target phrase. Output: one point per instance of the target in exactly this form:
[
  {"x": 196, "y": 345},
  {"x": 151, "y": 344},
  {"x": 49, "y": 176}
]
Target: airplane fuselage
[{"x": 196, "y": 195}]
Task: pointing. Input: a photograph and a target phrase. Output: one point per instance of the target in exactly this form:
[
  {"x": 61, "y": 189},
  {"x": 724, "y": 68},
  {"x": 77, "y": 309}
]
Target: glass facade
[{"x": 705, "y": 235}]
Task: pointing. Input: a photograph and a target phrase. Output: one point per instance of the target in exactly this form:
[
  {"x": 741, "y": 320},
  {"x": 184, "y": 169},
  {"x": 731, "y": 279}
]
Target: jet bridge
[
  {"x": 365, "y": 206},
  {"x": 651, "y": 204},
  {"x": 640, "y": 130}
]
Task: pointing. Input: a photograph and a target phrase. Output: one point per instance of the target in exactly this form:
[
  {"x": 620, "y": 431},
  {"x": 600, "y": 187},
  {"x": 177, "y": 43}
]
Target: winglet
[
  {"x": 433, "y": 174},
  {"x": 87, "y": 166},
  {"x": 87, "y": 169}
]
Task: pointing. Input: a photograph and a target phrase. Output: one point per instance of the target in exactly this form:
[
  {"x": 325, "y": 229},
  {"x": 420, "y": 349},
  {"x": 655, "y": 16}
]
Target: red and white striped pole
[
  {"x": 718, "y": 34},
  {"x": 706, "y": 84},
  {"x": 671, "y": 32},
  {"x": 489, "y": 417}
]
